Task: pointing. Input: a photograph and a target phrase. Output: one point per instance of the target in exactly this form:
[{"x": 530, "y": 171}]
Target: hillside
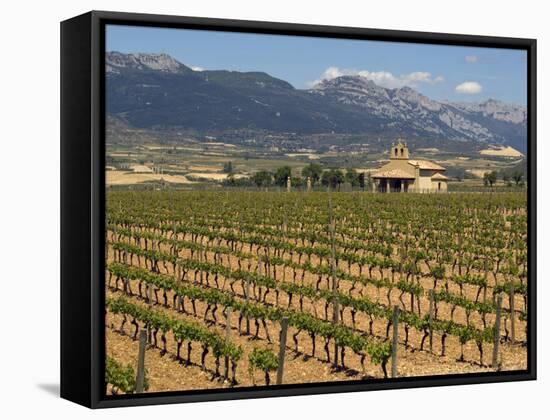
[{"x": 156, "y": 91}]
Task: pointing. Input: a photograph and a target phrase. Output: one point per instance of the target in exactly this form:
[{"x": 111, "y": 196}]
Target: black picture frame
[{"x": 83, "y": 206}]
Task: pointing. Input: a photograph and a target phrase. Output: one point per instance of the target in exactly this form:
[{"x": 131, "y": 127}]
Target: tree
[
  {"x": 352, "y": 177},
  {"x": 518, "y": 177},
  {"x": 228, "y": 167},
  {"x": 230, "y": 181},
  {"x": 262, "y": 178},
  {"x": 332, "y": 178},
  {"x": 313, "y": 171},
  {"x": 490, "y": 178},
  {"x": 460, "y": 174},
  {"x": 281, "y": 175},
  {"x": 362, "y": 181},
  {"x": 506, "y": 179},
  {"x": 298, "y": 181}
]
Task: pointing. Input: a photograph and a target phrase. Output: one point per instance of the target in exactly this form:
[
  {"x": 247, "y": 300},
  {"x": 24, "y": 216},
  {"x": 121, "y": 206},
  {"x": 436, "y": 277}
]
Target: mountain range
[{"x": 158, "y": 92}]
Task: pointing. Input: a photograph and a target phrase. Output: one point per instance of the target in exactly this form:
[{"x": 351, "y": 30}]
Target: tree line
[
  {"x": 335, "y": 178},
  {"x": 318, "y": 176},
  {"x": 491, "y": 178}
]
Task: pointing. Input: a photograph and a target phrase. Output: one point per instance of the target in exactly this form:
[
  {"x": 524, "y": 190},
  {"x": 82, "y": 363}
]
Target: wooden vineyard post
[
  {"x": 282, "y": 348},
  {"x": 177, "y": 269},
  {"x": 512, "y": 314},
  {"x": 199, "y": 251},
  {"x": 113, "y": 239},
  {"x": 106, "y": 245},
  {"x": 125, "y": 279},
  {"x": 113, "y": 233},
  {"x": 150, "y": 294},
  {"x": 257, "y": 293},
  {"x": 486, "y": 280},
  {"x": 178, "y": 280},
  {"x": 176, "y": 247},
  {"x": 227, "y": 333},
  {"x": 336, "y": 309},
  {"x": 431, "y": 318},
  {"x": 176, "y": 265},
  {"x": 496, "y": 341},
  {"x": 395, "y": 341},
  {"x": 150, "y": 302},
  {"x": 140, "y": 377},
  {"x": 335, "y": 305},
  {"x": 247, "y": 292}
]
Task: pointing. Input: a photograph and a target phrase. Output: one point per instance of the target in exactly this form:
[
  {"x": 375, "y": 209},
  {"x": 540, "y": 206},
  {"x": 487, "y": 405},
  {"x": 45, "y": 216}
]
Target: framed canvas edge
[
  {"x": 312, "y": 389},
  {"x": 76, "y": 183},
  {"x": 97, "y": 148}
]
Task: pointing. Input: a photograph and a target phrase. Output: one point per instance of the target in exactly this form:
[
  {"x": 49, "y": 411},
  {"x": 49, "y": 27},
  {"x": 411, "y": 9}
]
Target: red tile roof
[
  {"x": 393, "y": 173},
  {"x": 426, "y": 164},
  {"x": 439, "y": 176}
]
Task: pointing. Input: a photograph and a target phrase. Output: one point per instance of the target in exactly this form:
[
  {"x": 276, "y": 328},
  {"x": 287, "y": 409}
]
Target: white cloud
[
  {"x": 469, "y": 88},
  {"x": 471, "y": 58},
  {"x": 197, "y": 68},
  {"x": 382, "y": 78}
]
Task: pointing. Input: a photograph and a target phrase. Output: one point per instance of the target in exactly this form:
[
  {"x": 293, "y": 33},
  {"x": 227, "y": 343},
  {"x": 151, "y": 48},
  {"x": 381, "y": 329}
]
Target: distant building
[
  {"x": 402, "y": 174},
  {"x": 142, "y": 169}
]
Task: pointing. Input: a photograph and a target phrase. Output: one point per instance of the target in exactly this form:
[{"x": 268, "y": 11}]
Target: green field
[
  {"x": 192, "y": 164},
  {"x": 334, "y": 265}
]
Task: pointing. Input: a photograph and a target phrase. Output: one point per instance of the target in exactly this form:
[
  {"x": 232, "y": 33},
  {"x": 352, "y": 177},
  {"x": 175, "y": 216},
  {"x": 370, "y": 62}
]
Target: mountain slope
[
  {"x": 509, "y": 121},
  {"x": 117, "y": 63},
  {"x": 220, "y": 100},
  {"x": 156, "y": 91},
  {"x": 490, "y": 121}
]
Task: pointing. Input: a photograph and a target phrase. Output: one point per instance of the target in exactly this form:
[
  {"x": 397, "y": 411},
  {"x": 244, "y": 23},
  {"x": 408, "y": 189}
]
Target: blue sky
[{"x": 440, "y": 72}]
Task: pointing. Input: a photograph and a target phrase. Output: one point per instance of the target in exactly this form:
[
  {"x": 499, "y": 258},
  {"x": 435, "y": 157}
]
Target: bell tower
[{"x": 399, "y": 150}]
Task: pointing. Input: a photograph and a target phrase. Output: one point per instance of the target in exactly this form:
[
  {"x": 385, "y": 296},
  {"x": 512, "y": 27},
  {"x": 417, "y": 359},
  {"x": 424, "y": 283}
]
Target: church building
[{"x": 402, "y": 174}]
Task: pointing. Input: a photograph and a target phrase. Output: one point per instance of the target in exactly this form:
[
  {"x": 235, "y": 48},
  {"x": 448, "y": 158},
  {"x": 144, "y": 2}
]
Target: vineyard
[{"x": 238, "y": 288}]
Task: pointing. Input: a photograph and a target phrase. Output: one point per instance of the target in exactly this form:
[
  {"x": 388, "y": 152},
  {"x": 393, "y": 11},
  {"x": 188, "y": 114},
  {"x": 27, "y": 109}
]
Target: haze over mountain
[{"x": 156, "y": 91}]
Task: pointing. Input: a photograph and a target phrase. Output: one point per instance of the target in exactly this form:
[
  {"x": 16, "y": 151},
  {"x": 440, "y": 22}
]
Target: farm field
[
  {"x": 202, "y": 164},
  {"x": 213, "y": 275}
]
